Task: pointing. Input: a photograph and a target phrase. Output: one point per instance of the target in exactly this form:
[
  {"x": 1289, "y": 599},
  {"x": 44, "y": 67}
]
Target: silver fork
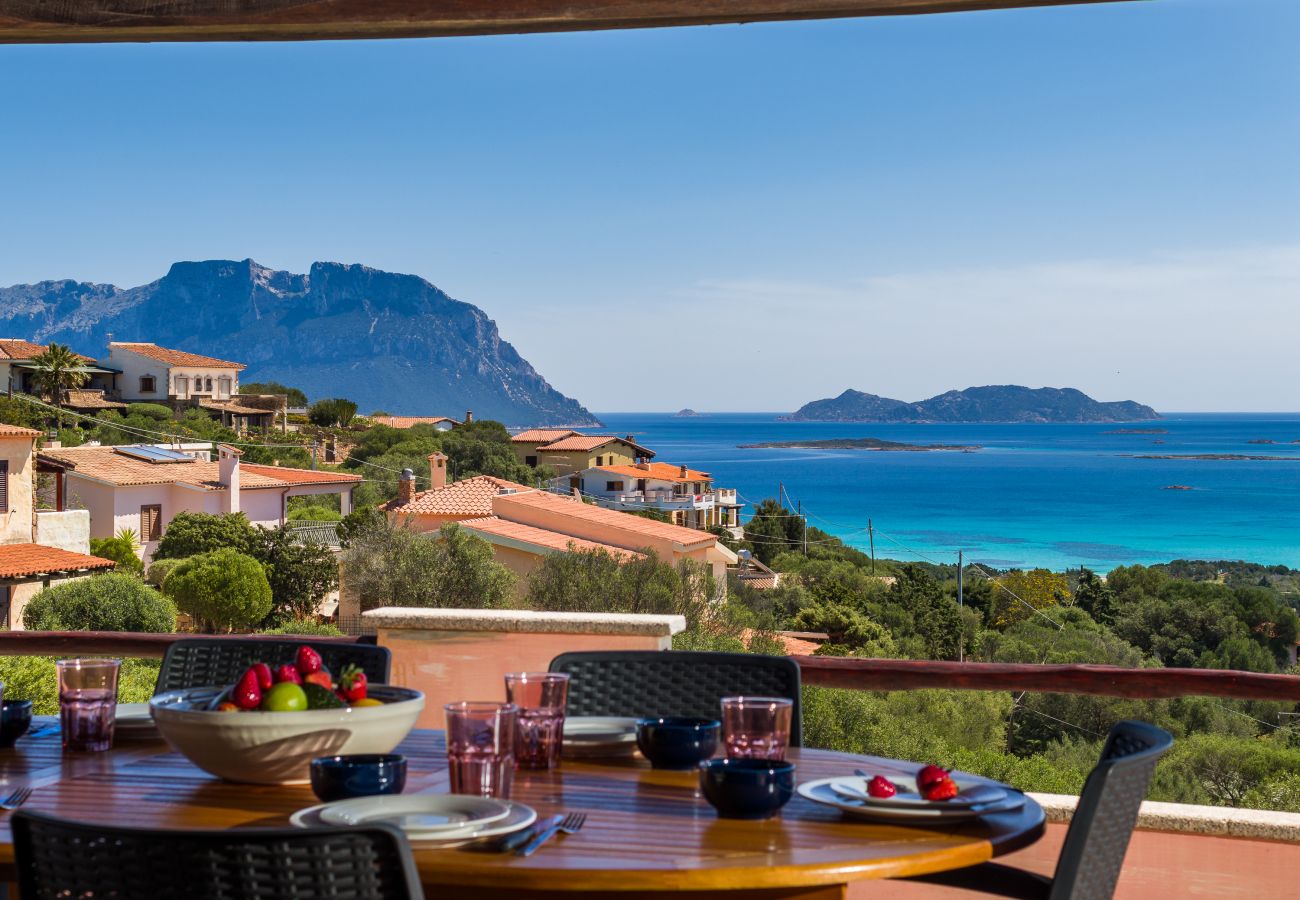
[
  {"x": 16, "y": 799},
  {"x": 570, "y": 824}
]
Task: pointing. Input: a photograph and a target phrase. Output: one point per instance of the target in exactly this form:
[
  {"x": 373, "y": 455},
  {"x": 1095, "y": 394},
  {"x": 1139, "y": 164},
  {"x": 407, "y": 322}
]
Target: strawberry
[
  {"x": 880, "y": 786},
  {"x": 322, "y": 678},
  {"x": 940, "y": 790},
  {"x": 352, "y": 683},
  {"x": 247, "y": 694},
  {"x": 929, "y": 775},
  {"x": 264, "y": 679},
  {"x": 287, "y": 672},
  {"x": 308, "y": 660}
]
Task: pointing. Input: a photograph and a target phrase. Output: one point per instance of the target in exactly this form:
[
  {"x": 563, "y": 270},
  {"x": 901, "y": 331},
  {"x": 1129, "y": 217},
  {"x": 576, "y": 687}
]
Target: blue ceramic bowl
[
  {"x": 747, "y": 788},
  {"x": 677, "y": 742},
  {"x": 360, "y": 775},
  {"x": 15, "y": 719}
]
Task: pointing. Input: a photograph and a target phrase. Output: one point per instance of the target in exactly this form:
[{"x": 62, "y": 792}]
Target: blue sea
[{"x": 1036, "y": 495}]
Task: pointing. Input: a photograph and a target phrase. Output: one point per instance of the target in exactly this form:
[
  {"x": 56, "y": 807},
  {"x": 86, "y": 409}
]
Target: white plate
[
  {"x": 909, "y": 794},
  {"x": 593, "y": 736},
  {"x": 418, "y": 813},
  {"x": 520, "y": 817},
  {"x": 820, "y": 791}
]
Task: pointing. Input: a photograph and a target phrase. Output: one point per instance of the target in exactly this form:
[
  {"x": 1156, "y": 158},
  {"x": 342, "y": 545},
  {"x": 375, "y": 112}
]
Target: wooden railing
[
  {"x": 122, "y": 643},
  {"x": 819, "y": 671}
]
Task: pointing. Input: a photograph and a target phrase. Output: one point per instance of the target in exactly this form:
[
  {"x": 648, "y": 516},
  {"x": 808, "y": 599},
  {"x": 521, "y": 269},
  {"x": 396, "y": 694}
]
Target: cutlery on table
[
  {"x": 570, "y": 824},
  {"x": 514, "y": 841},
  {"x": 16, "y": 799}
]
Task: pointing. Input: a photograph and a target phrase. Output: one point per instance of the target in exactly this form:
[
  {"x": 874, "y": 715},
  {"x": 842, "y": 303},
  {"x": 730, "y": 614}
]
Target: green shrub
[
  {"x": 121, "y": 550},
  {"x": 159, "y": 569},
  {"x": 316, "y": 512},
  {"x": 224, "y": 589},
  {"x": 33, "y": 678},
  {"x": 191, "y": 533},
  {"x": 308, "y": 627},
  {"x": 110, "y": 602},
  {"x": 155, "y": 411}
]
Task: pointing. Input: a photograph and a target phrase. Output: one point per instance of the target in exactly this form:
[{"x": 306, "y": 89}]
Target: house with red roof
[
  {"x": 144, "y": 486},
  {"x": 37, "y": 547},
  {"x": 686, "y": 496},
  {"x": 18, "y": 375},
  {"x": 525, "y": 524},
  {"x": 568, "y": 452}
]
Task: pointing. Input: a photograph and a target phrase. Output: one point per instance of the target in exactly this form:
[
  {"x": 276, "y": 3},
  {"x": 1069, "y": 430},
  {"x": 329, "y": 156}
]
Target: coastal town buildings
[
  {"x": 144, "y": 486},
  {"x": 148, "y": 373},
  {"x": 439, "y": 423},
  {"x": 37, "y": 547},
  {"x": 685, "y": 495},
  {"x": 18, "y": 371},
  {"x": 568, "y": 452}
]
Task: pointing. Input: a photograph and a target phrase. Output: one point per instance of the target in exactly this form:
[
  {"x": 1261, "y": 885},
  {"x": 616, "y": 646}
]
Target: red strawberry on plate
[
  {"x": 247, "y": 694},
  {"x": 321, "y": 678},
  {"x": 940, "y": 790},
  {"x": 264, "y": 679},
  {"x": 880, "y": 786},
  {"x": 352, "y": 683},
  {"x": 308, "y": 660},
  {"x": 288, "y": 672},
  {"x": 930, "y": 775}
]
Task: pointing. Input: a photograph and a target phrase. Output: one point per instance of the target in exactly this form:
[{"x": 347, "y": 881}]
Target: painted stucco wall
[
  {"x": 67, "y": 530},
  {"x": 263, "y": 507},
  {"x": 16, "y": 523}
]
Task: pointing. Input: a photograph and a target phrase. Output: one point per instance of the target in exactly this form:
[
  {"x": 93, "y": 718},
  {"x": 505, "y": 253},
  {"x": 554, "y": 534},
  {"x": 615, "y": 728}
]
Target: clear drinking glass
[
  {"x": 541, "y": 698},
  {"x": 756, "y": 727},
  {"x": 481, "y": 747},
  {"x": 87, "y": 702}
]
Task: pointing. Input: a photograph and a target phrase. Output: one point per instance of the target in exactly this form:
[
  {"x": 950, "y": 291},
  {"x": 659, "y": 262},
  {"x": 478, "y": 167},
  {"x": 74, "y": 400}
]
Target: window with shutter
[
  {"x": 4, "y": 485},
  {"x": 151, "y": 522}
]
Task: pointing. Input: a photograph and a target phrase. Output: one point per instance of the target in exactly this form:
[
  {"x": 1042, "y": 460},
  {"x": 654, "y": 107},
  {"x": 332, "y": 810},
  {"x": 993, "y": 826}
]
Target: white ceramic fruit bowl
[{"x": 277, "y": 747}]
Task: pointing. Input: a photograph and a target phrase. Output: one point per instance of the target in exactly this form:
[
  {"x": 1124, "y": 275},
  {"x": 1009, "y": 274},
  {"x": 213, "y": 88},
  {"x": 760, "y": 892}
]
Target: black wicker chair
[
  {"x": 200, "y": 662},
  {"x": 674, "y": 682},
  {"x": 1094, "y": 848},
  {"x": 67, "y": 860}
]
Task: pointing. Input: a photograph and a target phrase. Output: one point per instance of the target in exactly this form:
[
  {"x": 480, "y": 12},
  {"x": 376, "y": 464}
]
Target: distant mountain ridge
[
  {"x": 991, "y": 403},
  {"x": 388, "y": 341}
]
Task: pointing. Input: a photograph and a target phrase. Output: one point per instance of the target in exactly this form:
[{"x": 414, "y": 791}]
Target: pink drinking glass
[
  {"x": 481, "y": 747},
  {"x": 541, "y": 698},
  {"x": 87, "y": 703},
  {"x": 756, "y": 727}
]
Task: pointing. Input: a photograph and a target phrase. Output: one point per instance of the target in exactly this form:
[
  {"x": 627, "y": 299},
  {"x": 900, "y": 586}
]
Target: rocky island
[
  {"x": 687, "y": 413},
  {"x": 856, "y": 444},
  {"x": 1008, "y": 403}
]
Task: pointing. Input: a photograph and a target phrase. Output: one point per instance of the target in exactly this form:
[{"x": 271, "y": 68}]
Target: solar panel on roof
[{"x": 154, "y": 454}]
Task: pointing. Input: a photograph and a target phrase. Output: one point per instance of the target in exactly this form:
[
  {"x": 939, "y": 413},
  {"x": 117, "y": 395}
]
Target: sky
[{"x": 748, "y": 217}]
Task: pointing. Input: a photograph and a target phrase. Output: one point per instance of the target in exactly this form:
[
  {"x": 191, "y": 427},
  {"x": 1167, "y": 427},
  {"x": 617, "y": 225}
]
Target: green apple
[{"x": 285, "y": 697}]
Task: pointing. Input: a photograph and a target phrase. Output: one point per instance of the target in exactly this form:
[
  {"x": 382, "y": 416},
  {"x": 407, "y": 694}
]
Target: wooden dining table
[{"x": 648, "y": 832}]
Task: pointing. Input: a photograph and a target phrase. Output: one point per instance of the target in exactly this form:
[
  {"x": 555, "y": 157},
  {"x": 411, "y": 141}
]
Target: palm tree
[{"x": 59, "y": 369}]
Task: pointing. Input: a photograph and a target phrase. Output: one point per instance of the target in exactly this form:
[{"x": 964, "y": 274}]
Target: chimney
[
  {"x": 437, "y": 470},
  {"x": 630, "y": 438},
  {"x": 469, "y": 417},
  {"x": 683, "y": 471},
  {"x": 228, "y": 475},
  {"x": 642, "y": 464},
  {"x": 406, "y": 486}
]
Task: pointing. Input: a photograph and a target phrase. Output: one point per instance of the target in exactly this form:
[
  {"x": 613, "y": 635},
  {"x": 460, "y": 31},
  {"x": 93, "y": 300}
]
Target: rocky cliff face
[
  {"x": 387, "y": 341},
  {"x": 993, "y": 403}
]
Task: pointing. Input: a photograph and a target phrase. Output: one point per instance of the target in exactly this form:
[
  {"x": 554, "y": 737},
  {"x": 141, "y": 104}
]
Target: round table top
[{"x": 646, "y": 829}]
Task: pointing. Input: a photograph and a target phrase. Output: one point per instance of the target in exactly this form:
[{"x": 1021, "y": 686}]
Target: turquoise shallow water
[{"x": 1036, "y": 495}]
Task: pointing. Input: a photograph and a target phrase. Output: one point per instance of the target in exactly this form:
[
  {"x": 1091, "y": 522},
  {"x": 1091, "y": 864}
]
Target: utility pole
[
  {"x": 871, "y": 536},
  {"x": 961, "y": 602},
  {"x": 804, "y": 519},
  {"x": 315, "y": 446}
]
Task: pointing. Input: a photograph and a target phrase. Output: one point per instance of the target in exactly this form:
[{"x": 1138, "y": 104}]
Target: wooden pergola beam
[{"x": 97, "y": 21}]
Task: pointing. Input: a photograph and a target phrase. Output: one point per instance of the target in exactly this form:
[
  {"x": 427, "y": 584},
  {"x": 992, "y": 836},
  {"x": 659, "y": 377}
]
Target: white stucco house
[
  {"x": 144, "y": 486},
  {"x": 153, "y": 373}
]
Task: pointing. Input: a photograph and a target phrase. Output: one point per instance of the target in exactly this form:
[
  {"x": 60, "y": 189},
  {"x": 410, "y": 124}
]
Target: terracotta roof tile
[
  {"x": 297, "y": 476},
  {"x": 17, "y": 431},
  {"x": 175, "y": 357},
  {"x": 15, "y": 348},
  {"x": 106, "y": 464},
  {"x": 542, "y": 435},
  {"x": 23, "y": 560},
  {"x": 541, "y": 538},
  {"x": 659, "y": 472},
  {"x": 409, "y": 421},
  {"x": 468, "y": 497},
  {"x": 590, "y": 442},
  {"x": 613, "y": 519}
]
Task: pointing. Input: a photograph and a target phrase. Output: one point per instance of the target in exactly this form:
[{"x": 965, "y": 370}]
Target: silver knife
[{"x": 545, "y": 830}]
